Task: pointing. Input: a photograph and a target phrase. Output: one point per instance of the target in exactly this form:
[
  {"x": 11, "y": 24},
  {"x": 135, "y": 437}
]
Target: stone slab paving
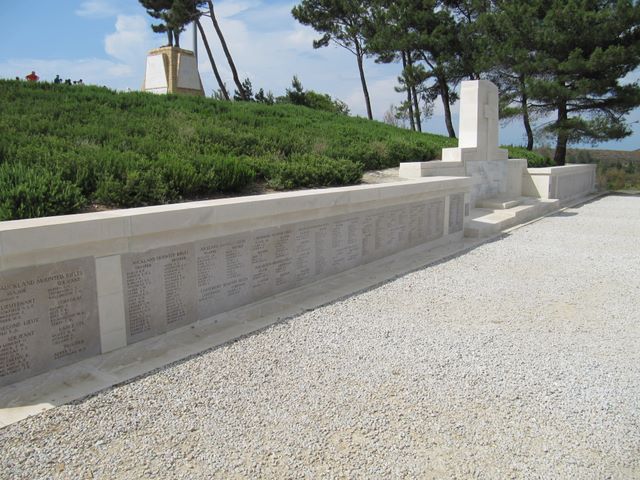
[{"x": 518, "y": 359}]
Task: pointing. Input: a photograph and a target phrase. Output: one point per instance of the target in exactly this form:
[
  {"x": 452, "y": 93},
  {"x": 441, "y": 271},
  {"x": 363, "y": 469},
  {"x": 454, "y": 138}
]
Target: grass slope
[{"x": 63, "y": 147}]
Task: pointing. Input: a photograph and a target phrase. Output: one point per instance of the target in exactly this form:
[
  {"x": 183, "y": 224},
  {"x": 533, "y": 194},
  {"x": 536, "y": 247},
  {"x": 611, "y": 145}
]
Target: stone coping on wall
[
  {"x": 562, "y": 170},
  {"x": 564, "y": 183},
  {"x": 25, "y": 237},
  {"x": 431, "y": 168}
]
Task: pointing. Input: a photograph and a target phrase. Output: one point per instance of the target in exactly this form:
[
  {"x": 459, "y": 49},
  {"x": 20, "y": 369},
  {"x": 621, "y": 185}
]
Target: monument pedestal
[
  {"x": 478, "y": 146},
  {"x": 172, "y": 70},
  {"x": 478, "y": 154}
]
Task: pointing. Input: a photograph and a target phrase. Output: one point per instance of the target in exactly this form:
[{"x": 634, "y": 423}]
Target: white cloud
[
  {"x": 131, "y": 40},
  {"x": 127, "y": 46},
  {"x": 301, "y": 37},
  {"x": 97, "y": 9}
]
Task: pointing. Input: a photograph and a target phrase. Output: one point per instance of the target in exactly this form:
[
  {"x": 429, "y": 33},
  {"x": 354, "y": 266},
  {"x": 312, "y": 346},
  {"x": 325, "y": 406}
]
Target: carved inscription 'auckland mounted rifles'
[
  {"x": 160, "y": 291},
  {"x": 48, "y": 318}
]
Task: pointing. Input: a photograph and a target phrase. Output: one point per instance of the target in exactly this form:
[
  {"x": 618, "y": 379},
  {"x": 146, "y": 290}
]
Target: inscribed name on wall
[
  {"x": 48, "y": 318},
  {"x": 173, "y": 286}
]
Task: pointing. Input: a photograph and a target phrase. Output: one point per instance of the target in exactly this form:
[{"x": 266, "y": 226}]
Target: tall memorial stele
[{"x": 172, "y": 70}]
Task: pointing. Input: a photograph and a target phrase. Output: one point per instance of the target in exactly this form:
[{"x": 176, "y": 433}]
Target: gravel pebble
[{"x": 518, "y": 359}]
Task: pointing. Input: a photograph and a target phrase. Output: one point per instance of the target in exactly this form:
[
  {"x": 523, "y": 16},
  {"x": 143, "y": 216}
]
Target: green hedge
[
  {"x": 93, "y": 145},
  {"x": 63, "y": 147},
  {"x": 534, "y": 159},
  {"x": 28, "y": 191}
]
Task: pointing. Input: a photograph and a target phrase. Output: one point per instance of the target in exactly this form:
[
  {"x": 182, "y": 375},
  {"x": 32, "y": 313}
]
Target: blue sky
[{"x": 104, "y": 42}]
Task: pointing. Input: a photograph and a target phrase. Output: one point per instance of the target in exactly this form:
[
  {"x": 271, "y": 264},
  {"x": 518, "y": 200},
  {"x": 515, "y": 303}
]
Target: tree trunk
[
  {"x": 414, "y": 96},
  {"x": 409, "y": 99},
  {"x": 416, "y": 108},
  {"x": 563, "y": 138},
  {"x": 221, "y": 85},
  {"x": 169, "y": 37},
  {"x": 365, "y": 90},
  {"x": 232, "y": 65},
  {"x": 176, "y": 35},
  {"x": 444, "y": 93},
  {"x": 525, "y": 113}
]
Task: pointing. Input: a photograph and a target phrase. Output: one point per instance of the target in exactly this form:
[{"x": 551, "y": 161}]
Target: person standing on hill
[
  {"x": 57, "y": 79},
  {"x": 32, "y": 77}
]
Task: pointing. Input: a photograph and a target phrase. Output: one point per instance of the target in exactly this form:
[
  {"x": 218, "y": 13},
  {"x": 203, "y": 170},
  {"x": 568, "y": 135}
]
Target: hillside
[{"x": 63, "y": 148}]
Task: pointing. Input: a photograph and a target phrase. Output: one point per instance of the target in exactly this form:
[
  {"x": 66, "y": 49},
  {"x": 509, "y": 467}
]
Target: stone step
[
  {"x": 500, "y": 203},
  {"x": 486, "y": 221}
]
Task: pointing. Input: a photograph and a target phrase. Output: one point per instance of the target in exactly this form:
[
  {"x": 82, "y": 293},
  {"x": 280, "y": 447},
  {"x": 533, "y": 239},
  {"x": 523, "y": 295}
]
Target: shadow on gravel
[
  {"x": 623, "y": 193},
  {"x": 601, "y": 195},
  {"x": 392, "y": 277},
  {"x": 564, "y": 214},
  {"x": 284, "y": 320}
]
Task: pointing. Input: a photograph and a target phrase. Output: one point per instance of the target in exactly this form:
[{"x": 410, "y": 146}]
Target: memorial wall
[
  {"x": 48, "y": 318},
  {"x": 55, "y": 313},
  {"x": 174, "y": 286}
]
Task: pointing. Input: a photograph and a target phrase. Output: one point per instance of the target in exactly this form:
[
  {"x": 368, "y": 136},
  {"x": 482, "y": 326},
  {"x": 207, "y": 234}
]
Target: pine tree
[
  {"x": 426, "y": 32},
  {"x": 247, "y": 92},
  {"x": 508, "y": 34},
  {"x": 582, "y": 51},
  {"x": 174, "y": 15},
  {"x": 158, "y": 9},
  {"x": 341, "y": 22},
  {"x": 222, "y": 88}
]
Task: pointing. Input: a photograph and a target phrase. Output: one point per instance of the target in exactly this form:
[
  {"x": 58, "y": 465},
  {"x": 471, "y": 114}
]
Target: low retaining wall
[
  {"x": 76, "y": 286},
  {"x": 563, "y": 183},
  {"x": 433, "y": 168},
  {"x": 491, "y": 178}
]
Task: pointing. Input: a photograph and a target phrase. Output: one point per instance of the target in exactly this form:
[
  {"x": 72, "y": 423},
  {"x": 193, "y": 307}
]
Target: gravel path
[{"x": 519, "y": 359}]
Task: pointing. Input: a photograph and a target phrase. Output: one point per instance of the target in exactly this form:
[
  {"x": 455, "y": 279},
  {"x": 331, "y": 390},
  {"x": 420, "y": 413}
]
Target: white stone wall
[
  {"x": 74, "y": 286},
  {"x": 563, "y": 183},
  {"x": 432, "y": 168}
]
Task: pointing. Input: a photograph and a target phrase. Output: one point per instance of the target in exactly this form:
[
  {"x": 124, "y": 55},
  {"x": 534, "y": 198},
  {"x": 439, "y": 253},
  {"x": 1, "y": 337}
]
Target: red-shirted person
[{"x": 32, "y": 77}]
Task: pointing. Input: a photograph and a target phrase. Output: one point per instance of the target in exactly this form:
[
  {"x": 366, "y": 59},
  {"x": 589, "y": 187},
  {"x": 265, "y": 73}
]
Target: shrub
[
  {"x": 27, "y": 192},
  {"x": 618, "y": 177},
  {"x": 134, "y": 149},
  {"x": 137, "y": 187},
  {"x": 308, "y": 170},
  {"x": 226, "y": 174}
]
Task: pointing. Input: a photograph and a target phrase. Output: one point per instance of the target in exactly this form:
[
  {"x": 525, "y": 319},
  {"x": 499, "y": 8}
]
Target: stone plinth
[
  {"x": 478, "y": 154},
  {"x": 478, "y": 147},
  {"x": 172, "y": 70}
]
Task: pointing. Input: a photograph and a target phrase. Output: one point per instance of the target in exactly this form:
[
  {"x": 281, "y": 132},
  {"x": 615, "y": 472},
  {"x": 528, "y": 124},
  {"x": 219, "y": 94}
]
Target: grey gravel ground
[{"x": 518, "y": 359}]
